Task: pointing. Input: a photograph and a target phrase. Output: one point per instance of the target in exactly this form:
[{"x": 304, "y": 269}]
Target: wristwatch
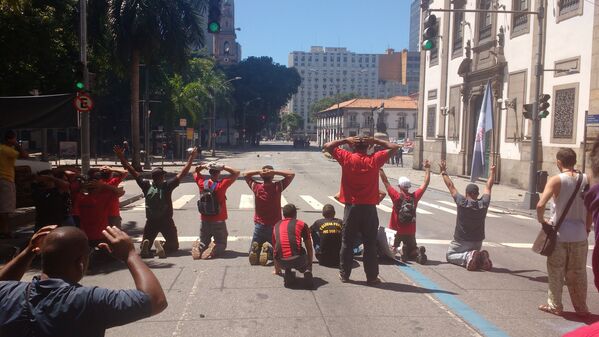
[{"x": 444, "y": 174}]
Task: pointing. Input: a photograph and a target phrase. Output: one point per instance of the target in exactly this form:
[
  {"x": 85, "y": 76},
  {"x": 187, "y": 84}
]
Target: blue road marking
[{"x": 456, "y": 306}]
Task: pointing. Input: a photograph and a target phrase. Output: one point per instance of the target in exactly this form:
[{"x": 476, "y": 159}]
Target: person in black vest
[
  {"x": 159, "y": 205},
  {"x": 326, "y": 235},
  {"x": 288, "y": 251}
]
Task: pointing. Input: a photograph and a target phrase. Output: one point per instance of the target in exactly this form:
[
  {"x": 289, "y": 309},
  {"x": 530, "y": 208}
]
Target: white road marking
[
  {"x": 384, "y": 208},
  {"x": 518, "y": 216},
  {"x": 441, "y": 208},
  {"x": 283, "y": 201},
  {"x": 497, "y": 210},
  {"x": 179, "y": 203},
  {"x": 337, "y": 201},
  {"x": 246, "y": 201},
  {"x": 452, "y": 204},
  {"x": 140, "y": 207},
  {"x": 418, "y": 210},
  {"x": 312, "y": 202},
  {"x": 189, "y": 304}
]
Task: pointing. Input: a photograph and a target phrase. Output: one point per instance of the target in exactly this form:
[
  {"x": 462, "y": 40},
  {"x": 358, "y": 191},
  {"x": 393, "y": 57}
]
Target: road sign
[
  {"x": 182, "y": 122},
  {"x": 189, "y": 133},
  {"x": 593, "y": 119},
  {"x": 83, "y": 102}
]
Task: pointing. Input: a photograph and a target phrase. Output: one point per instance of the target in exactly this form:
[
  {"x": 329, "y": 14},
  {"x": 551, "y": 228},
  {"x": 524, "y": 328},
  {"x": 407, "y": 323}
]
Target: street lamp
[
  {"x": 244, "y": 109},
  {"x": 213, "y": 119}
]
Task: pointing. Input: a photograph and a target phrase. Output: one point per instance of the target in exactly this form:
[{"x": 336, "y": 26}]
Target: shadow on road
[
  {"x": 519, "y": 273},
  {"x": 571, "y": 316},
  {"x": 404, "y": 288}
]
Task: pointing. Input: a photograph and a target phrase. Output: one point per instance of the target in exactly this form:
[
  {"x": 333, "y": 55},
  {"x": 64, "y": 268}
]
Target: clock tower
[{"x": 226, "y": 49}]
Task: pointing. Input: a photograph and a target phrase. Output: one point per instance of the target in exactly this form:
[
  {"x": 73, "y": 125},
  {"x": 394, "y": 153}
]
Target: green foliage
[{"x": 291, "y": 122}]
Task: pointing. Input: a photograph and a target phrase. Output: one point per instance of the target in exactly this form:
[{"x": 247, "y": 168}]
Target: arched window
[{"x": 226, "y": 49}]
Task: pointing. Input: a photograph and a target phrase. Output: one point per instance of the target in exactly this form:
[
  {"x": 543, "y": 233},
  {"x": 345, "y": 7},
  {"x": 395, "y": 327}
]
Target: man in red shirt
[
  {"x": 267, "y": 199},
  {"x": 360, "y": 194},
  {"x": 289, "y": 254},
  {"x": 114, "y": 178},
  {"x": 213, "y": 225},
  {"x": 403, "y": 216}
]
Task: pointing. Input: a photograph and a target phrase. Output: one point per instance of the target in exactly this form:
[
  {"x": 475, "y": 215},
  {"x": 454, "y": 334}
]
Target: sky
[{"x": 277, "y": 27}]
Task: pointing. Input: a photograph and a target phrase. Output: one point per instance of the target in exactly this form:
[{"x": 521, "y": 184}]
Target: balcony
[{"x": 354, "y": 125}]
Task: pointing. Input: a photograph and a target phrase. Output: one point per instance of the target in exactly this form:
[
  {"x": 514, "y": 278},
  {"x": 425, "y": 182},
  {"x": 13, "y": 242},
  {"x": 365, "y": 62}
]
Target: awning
[{"x": 45, "y": 111}]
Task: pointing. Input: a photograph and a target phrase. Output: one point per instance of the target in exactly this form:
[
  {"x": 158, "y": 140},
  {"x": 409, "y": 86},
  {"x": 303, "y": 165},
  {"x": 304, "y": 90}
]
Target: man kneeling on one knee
[{"x": 465, "y": 248}]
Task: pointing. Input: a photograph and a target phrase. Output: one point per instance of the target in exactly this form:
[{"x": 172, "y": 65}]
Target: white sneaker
[{"x": 160, "y": 249}]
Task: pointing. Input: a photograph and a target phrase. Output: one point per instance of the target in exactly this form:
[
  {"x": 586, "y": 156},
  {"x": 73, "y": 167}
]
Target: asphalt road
[{"x": 228, "y": 297}]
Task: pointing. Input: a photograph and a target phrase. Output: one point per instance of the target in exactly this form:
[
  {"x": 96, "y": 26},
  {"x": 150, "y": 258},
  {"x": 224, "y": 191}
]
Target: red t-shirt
[
  {"x": 287, "y": 239},
  {"x": 360, "y": 176},
  {"x": 93, "y": 213},
  {"x": 267, "y": 199},
  {"x": 585, "y": 331},
  {"x": 114, "y": 208},
  {"x": 395, "y": 195},
  {"x": 74, "y": 188},
  {"x": 220, "y": 191}
]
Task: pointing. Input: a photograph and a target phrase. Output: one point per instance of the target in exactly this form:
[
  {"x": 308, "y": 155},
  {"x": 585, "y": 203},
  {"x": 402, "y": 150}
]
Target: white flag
[{"x": 485, "y": 124}]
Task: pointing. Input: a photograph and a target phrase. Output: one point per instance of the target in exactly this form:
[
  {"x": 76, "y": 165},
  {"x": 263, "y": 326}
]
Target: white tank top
[{"x": 573, "y": 229}]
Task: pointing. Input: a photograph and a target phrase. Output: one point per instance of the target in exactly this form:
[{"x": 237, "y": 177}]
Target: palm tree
[{"x": 153, "y": 30}]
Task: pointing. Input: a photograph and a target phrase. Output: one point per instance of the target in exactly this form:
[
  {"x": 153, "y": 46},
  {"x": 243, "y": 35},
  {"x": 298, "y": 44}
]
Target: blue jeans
[
  {"x": 262, "y": 233},
  {"x": 459, "y": 251}
]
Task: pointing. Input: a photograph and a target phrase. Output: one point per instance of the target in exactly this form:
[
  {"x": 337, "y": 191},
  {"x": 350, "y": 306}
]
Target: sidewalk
[{"x": 505, "y": 197}]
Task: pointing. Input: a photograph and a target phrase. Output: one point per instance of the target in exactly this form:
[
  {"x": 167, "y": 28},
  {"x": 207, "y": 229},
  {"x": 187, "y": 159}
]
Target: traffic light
[
  {"x": 78, "y": 70},
  {"x": 263, "y": 117},
  {"x": 429, "y": 32},
  {"x": 424, "y": 4},
  {"x": 214, "y": 16},
  {"x": 527, "y": 111},
  {"x": 544, "y": 105}
]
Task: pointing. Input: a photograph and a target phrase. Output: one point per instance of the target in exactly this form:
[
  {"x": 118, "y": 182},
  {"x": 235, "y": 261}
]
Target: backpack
[
  {"x": 208, "y": 203},
  {"x": 406, "y": 210}
]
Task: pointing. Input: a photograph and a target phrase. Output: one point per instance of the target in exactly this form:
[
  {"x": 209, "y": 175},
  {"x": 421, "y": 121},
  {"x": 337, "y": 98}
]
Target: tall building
[
  {"x": 414, "y": 26},
  {"x": 500, "y": 49},
  {"x": 329, "y": 71}
]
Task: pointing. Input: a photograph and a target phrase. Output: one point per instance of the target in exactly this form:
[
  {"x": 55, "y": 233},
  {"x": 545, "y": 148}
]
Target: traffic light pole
[
  {"x": 532, "y": 197},
  {"x": 85, "y": 128}
]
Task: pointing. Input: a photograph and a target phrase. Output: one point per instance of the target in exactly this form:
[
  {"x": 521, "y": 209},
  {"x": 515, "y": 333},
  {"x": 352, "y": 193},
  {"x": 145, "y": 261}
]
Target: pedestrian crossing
[{"x": 309, "y": 202}]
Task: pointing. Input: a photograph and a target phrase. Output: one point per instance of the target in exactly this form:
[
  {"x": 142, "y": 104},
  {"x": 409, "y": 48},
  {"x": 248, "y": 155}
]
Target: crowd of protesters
[{"x": 75, "y": 212}]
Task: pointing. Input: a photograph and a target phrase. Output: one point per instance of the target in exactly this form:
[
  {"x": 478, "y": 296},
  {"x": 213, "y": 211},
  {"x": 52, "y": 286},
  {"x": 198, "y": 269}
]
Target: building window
[
  {"x": 401, "y": 122},
  {"x": 484, "y": 21},
  {"x": 431, "y": 119},
  {"x": 520, "y": 24},
  {"x": 565, "y": 104},
  {"x": 458, "y": 33},
  {"x": 568, "y": 8}
]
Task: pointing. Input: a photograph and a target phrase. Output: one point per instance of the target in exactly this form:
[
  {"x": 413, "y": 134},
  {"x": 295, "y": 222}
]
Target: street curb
[{"x": 130, "y": 200}]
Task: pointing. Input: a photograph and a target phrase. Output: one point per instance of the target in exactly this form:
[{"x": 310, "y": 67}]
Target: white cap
[{"x": 404, "y": 182}]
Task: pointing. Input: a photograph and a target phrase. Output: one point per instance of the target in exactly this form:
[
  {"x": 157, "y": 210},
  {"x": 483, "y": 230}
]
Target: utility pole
[
  {"x": 146, "y": 111},
  {"x": 84, "y": 136}
]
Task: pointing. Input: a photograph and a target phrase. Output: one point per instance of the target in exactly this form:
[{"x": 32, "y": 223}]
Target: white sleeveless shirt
[{"x": 573, "y": 229}]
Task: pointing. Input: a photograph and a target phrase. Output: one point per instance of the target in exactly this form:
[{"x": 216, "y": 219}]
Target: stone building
[{"x": 500, "y": 48}]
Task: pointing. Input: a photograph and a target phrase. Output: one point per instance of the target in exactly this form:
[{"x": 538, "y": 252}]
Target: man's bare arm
[
  {"x": 427, "y": 176},
  {"x": 450, "y": 186},
  {"x": 490, "y": 181},
  {"x": 384, "y": 179},
  {"x": 234, "y": 173},
  {"x": 187, "y": 167},
  {"x": 332, "y": 145},
  {"x": 545, "y": 197},
  {"x": 120, "y": 153},
  {"x": 17, "y": 267},
  {"x": 392, "y": 147}
]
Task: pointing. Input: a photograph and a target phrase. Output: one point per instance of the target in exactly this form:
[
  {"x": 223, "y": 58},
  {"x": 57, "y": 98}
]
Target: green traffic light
[
  {"x": 214, "y": 27},
  {"x": 80, "y": 85},
  {"x": 543, "y": 114},
  {"x": 427, "y": 45}
]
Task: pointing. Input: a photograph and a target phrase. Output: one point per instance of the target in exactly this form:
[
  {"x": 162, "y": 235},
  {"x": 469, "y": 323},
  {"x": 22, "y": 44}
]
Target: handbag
[{"x": 547, "y": 238}]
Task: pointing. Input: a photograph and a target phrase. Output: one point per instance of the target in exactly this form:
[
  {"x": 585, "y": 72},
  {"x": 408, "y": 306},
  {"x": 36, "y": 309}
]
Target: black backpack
[
  {"x": 405, "y": 208},
  {"x": 208, "y": 204}
]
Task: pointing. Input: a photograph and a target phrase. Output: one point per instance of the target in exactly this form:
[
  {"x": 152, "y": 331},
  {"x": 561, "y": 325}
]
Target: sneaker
[
  {"x": 208, "y": 253},
  {"x": 144, "y": 250},
  {"x": 288, "y": 278},
  {"x": 159, "y": 245},
  {"x": 375, "y": 281},
  {"x": 308, "y": 280},
  {"x": 196, "y": 251},
  {"x": 343, "y": 278},
  {"x": 485, "y": 262},
  {"x": 357, "y": 251},
  {"x": 473, "y": 261},
  {"x": 254, "y": 253},
  {"x": 421, "y": 258},
  {"x": 264, "y": 253}
]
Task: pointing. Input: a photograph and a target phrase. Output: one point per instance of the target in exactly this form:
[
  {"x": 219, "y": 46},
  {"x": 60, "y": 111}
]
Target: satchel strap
[{"x": 563, "y": 215}]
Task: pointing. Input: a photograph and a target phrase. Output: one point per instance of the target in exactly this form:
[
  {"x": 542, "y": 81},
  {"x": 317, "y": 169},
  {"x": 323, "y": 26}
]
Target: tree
[
  {"x": 327, "y": 102},
  {"x": 291, "y": 122},
  {"x": 152, "y": 30},
  {"x": 272, "y": 82}
]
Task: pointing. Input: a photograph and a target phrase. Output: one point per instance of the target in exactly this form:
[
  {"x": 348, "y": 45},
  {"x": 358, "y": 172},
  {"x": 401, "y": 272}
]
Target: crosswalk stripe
[
  {"x": 518, "y": 216},
  {"x": 452, "y": 204},
  {"x": 312, "y": 202},
  {"x": 283, "y": 201},
  {"x": 384, "y": 208},
  {"x": 335, "y": 200},
  {"x": 139, "y": 207},
  {"x": 418, "y": 210},
  {"x": 246, "y": 201},
  {"x": 179, "y": 203},
  {"x": 441, "y": 208}
]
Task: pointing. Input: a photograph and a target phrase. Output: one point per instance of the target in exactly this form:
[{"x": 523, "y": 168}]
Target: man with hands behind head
[{"x": 55, "y": 304}]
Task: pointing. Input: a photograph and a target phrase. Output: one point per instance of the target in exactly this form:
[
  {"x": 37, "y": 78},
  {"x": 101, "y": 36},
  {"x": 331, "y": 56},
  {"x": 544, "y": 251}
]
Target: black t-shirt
[
  {"x": 326, "y": 233},
  {"x": 470, "y": 221},
  {"x": 159, "y": 203},
  {"x": 52, "y": 206}
]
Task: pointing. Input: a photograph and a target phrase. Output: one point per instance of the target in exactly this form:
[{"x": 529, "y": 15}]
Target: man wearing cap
[
  {"x": 403, "y": 216},
  {"x": 465, "y": 249},
  {"x": 213, "y": 225},
  {"x": 360, "y": 194},
  {"x": 159, "y": 205},
  {"x": 267, "y": 198}
]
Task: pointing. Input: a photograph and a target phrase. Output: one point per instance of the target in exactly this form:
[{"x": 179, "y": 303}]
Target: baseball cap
[
  {"x": 214, "y": 166},
  {"x": 404, "y": 182},
  {"x": 158, "y": 171},
  {"x": 471, "y": 189}
]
